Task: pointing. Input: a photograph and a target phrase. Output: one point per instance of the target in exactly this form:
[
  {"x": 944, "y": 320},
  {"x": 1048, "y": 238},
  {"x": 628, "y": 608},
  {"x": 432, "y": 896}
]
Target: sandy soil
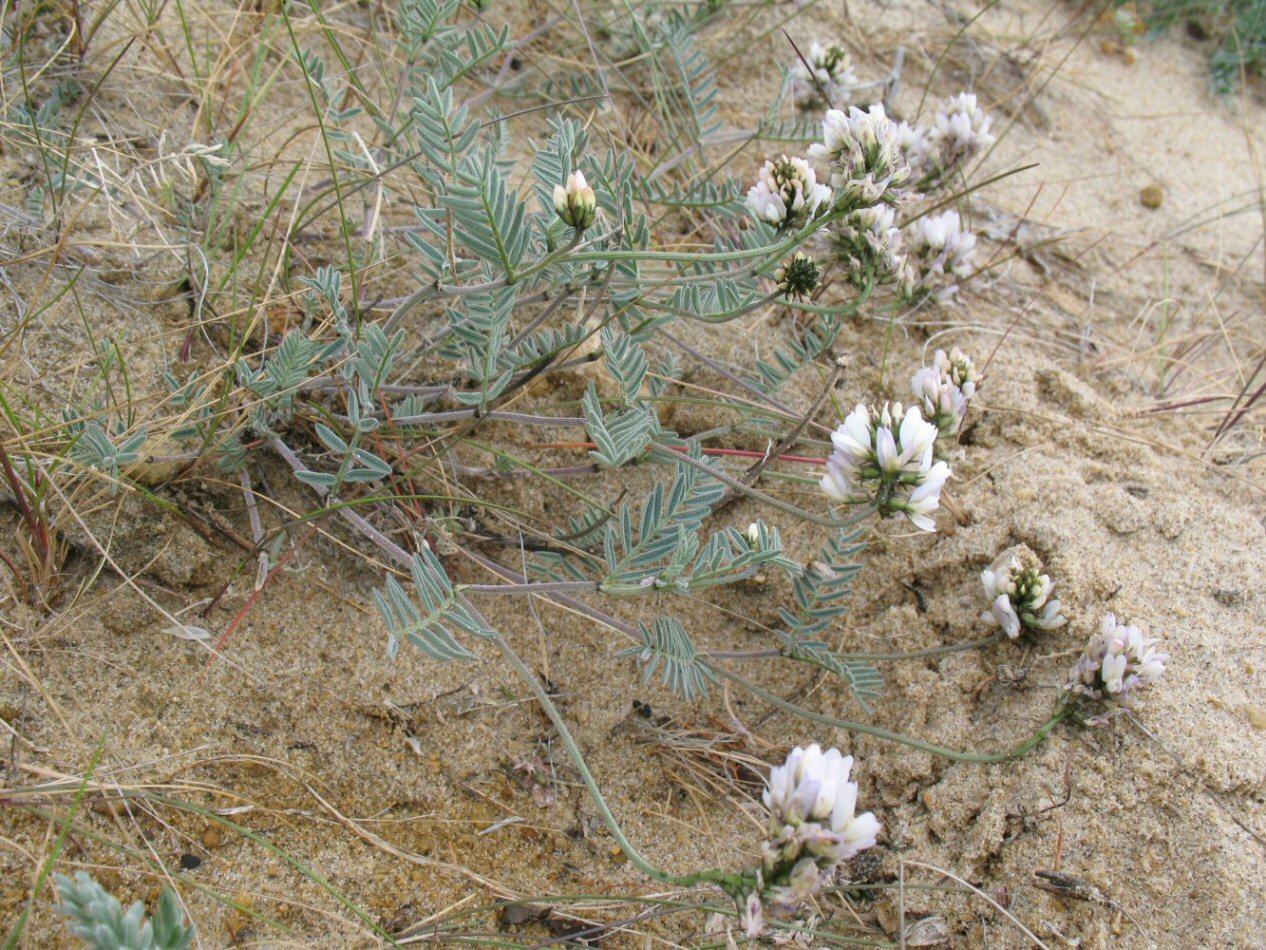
[{"x": 415, "y": 789}]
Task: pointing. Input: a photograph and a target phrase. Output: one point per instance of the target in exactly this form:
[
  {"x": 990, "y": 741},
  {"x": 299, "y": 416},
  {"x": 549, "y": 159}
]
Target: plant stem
[
  {"x": 955, "y": 755},
  {"x": 728, "y": 882},
  {"x": 783, "y": 506},
  {"x": 864, "y": 657},
  {"x": 920, "y": 654},
  {"x": 542, "y": 587},
  {"x": 495, "y": 415}
]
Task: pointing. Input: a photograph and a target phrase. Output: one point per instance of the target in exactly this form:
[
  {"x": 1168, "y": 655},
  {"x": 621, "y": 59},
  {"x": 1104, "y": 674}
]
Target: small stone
[
  {"x": 1228, "y": 597},
  {"x": 213, "y": 837},
  {"x": 1152, "y": 196}
]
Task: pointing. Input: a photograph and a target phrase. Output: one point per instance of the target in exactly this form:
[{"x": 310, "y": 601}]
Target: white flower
[
  {"x": 887, "y": 460},
  {"x": 945, "y": 389},
  {"x": 832, "y": 73},
  {"x": 1019, "y": 599},
  {"x": 939, "y": 250},
  {"x": 1117, "y": 661},
  {"x": 926, "y": 498},
  {"x": 864, "y": 152},
  {"x": 787, "y": 193},
  {"x": 960, "y": 130},
  {"x": 576, "y": 203}
]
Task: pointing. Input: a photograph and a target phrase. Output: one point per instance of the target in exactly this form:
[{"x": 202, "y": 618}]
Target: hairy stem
[
  {"x": 955, "y": 755},
  {"x": 731, "y": 883},
  {"x": 760, "y": 496}
]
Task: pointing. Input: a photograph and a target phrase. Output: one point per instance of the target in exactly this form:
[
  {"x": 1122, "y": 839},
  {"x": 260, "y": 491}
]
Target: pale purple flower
[
  {"x": 752, "y": 916},
  {"x": 1115, "y": 664},
  {"x": 944, "y": 404},
  {"x": 945, "y": 388},
  {"x": 959, "y": 131},
  {"x": 870, "y": 242},
  {"x": 813, "y": 826},
  {"x": 939, "y": 250},
  {"x": 913, "y": 142},
  {"x": 959, "y": 369},
  {"x": 804, "y": 881}
]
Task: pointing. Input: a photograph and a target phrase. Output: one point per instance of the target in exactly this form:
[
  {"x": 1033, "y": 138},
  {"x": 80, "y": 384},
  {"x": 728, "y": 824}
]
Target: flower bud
[
  {"x": 798, "y": 278},
  {"x": 576, "y": 203}
]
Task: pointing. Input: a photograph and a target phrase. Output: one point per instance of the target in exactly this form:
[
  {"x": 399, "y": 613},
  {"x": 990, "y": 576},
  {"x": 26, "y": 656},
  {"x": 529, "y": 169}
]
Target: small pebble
[
  {"x": 189, "y": 861},
  {"x": 1256, "y": 717},
  {"x": 213, "y": 837},
  {"x": 1152, "y": 196}
]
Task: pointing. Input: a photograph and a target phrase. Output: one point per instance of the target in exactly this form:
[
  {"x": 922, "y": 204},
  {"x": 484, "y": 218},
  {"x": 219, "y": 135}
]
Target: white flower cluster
[
  {"x": 1117, "y": 662},
  {"x": 958, "y": 132},
  {"x": 787, "y": 193},
  {"x": 939, "y": 250},
  {"x": 877, "y": 167},
  {"x": 1019, "y": 599},
  {"x": 867, "y": 162},
  {"x": 946, "y": 387},
  {"x": 886, "y": 459},
  {"x": 830, "y": 71},
  {"x": 813, "y": 828},
  {"x": 870, "y": 243}
]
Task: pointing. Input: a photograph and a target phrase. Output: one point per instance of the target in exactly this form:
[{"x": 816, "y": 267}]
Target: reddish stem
[{"x": 255, "y": 595}]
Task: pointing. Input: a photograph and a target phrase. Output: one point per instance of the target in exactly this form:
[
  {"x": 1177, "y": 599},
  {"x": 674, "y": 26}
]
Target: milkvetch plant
[{"x": 539, "y": 338}]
